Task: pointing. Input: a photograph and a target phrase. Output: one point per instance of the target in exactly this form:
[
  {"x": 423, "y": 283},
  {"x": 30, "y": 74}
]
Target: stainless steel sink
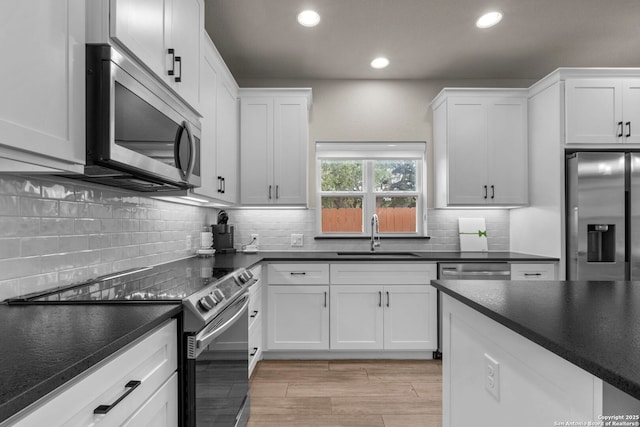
[{"x": 378, "y": 254}]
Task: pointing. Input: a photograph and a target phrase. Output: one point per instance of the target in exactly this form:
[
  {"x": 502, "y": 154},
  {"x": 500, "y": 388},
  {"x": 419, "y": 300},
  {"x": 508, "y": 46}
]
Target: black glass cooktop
[{"x": 167, "y": 282}]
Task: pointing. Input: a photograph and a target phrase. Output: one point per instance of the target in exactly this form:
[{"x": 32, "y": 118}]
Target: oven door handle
[{"x": 206, "y": 337}]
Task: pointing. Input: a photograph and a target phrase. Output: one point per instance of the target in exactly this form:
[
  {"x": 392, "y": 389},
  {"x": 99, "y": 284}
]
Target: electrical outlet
[
  {"x": 188, "y": 242},
  {"x": 297, "y": 239},
  {"x": 492, "y": 376},
  {"x": 255, "y": 239}
]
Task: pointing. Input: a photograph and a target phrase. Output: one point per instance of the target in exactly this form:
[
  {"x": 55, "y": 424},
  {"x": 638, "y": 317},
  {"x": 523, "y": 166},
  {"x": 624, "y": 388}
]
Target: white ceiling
[{"x": 424, "y": 39}]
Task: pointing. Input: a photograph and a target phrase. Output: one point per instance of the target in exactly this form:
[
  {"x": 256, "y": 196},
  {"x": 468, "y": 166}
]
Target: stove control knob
[
  {"x": 245, "y": 276},
  {"x": 218, "y": 295},
  {"x": 206, "y": 303}
]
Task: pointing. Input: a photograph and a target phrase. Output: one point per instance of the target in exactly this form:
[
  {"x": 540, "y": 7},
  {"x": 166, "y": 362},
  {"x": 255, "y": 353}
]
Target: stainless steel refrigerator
[{"x": 603, "y": 216}]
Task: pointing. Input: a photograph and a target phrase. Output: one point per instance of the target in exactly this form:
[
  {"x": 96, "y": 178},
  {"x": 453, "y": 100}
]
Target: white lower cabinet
[
  {"x": 356, "y": 317},
  {"x": 394, "y": 317},
  {"x": 298, "y": 317},
  {"x": 351, "y": 306},
  {"x": 152, "y": 361},
  {"x": 160, "y": 410}
]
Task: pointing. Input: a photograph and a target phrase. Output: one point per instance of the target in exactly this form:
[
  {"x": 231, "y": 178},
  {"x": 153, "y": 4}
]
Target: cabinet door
[
  {"x": 208, "y": 141},
  {"x": 161, "y": 409},
  {"x": 228, "y": 140},
  {"x": 139, "y": 27},
  {"x": 631, "y": 110},
  {"x": 467, "y": 151},
  {"x": 256, "y": 151},
  {"x": 593, "y": 111},
  {"x": 356, "y": 320},
  {"x": 298, "y": 317},
  {"x": 43, "y": 90},
  {"x": 187, "y": 20},
  {"x": 410, "y": 317},
  {"x": 290, "y": 150},
  {"x": 507, "y": 151}
]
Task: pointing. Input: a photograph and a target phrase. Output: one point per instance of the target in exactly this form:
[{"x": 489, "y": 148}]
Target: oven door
[
  {"x": 217, "y": 366},
  {"x": 137, "y": 127}
]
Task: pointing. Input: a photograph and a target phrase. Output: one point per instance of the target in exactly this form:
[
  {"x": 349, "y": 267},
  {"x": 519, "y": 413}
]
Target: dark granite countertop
[
  {"x": 43, "y": 347},
  {"x": 244, "y": 260},
  {"x": 592, "y": 324}
]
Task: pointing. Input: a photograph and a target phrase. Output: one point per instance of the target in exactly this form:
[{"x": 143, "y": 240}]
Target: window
[{"x": 356, "y": 180}]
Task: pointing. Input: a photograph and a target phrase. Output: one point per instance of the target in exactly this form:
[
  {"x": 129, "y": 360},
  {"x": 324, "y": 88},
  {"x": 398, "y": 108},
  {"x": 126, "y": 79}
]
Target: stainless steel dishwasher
[{"x": 468, "y": 271}]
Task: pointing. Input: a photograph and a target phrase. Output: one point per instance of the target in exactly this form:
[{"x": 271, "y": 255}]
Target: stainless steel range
[{"x": 214, "y": 341}]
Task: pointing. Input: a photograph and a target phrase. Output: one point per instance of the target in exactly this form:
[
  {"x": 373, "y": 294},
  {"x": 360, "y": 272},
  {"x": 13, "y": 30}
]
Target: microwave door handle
[{"x": 192, "y": 142}]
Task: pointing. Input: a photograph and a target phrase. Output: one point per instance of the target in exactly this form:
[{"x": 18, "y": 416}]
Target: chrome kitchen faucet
[{"x": 375, "y": 232}]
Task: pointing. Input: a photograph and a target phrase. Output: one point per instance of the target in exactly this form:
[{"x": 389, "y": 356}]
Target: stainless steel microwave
[{"x": 139, "y": 135}]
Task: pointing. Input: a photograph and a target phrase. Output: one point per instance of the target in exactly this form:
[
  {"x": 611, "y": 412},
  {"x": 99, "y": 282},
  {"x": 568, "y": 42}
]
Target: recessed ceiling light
[
  {"x": 380, "y": 62},
  {"x": 309, "y": 18},
  {"x": 489, "y": 19}
]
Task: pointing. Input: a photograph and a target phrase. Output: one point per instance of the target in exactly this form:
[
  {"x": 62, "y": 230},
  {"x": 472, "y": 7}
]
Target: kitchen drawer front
[
  {"x": 413, "y": 273},
  {"x": 298, "y": 274},
  {"x": 546, "y": 271},
  {"x": 151, "y": 360},
  {"x": 255, "y": 307},
  {"x": 255, "y": 346},
  {"x": 161, "y": 409}
]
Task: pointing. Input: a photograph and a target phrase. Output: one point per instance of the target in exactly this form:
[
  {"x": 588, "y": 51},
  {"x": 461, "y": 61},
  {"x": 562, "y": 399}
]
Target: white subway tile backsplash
[
  {"x": 276, "y": 226},
  {"x": 55, "y": 231}
]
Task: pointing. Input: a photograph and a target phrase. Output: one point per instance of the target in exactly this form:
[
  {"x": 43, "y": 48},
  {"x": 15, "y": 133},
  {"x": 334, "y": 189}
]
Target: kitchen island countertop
[{"x": 595, "y": 325}]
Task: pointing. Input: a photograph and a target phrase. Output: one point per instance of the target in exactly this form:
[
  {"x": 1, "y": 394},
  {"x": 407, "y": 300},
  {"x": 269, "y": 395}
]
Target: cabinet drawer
[
  {"x": 255, "y": 307},
  {"x": 298, "y": 274},
  {"x": 151, "y": 360},
  {"x": 533, "y": 271},
  {"x": 255, "y": 346},
  {"x": 413, "y": 273}
]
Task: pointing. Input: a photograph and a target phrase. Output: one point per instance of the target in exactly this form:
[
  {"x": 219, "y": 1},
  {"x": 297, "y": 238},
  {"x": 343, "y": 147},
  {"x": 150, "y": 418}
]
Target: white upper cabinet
[
  {"x": 43, "y": 90},
  {"x": 220, "y": 128},
  {"x": 480, "y": 147},
  {"x": 602, "y": 111},
  {"x": 274, "y": 135},
  {"x": 165, "y": 35}
]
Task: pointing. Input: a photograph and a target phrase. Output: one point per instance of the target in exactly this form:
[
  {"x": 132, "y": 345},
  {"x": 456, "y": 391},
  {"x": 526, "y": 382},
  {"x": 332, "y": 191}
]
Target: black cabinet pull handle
[
  {"x": 277, "y": 191},
  {"x": 224, "y": 185},
  {"x": 493, "y": 192},
  {"x": 388, "y": 299},
  {"x": 628, "y": 129},
  {"x": 298, "y": 273},
  {"x": 270, "y": 192},
  {"x": 178, "y": 79},
  {"x": 379, "y": 298},
  {"x": 172, "y": 71},
  {"x": 619, "y": 129},
  {"x": 219, "y": 184},
  {"x": 325, "y": 298},
  {"x": 254, "y": 352},
  {"x": 485, "y": 191},
  {"x": 103, "y": 409},
  {"x": 532, "y": 274},
  {"x": 254, "y": 314}
]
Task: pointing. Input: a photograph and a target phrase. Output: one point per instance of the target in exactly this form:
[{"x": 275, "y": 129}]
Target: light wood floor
[{"x": 345, "y": 393}]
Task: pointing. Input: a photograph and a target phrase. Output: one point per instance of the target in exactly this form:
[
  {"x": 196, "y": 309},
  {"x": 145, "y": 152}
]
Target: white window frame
[{"x": 369, "y": 152}]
